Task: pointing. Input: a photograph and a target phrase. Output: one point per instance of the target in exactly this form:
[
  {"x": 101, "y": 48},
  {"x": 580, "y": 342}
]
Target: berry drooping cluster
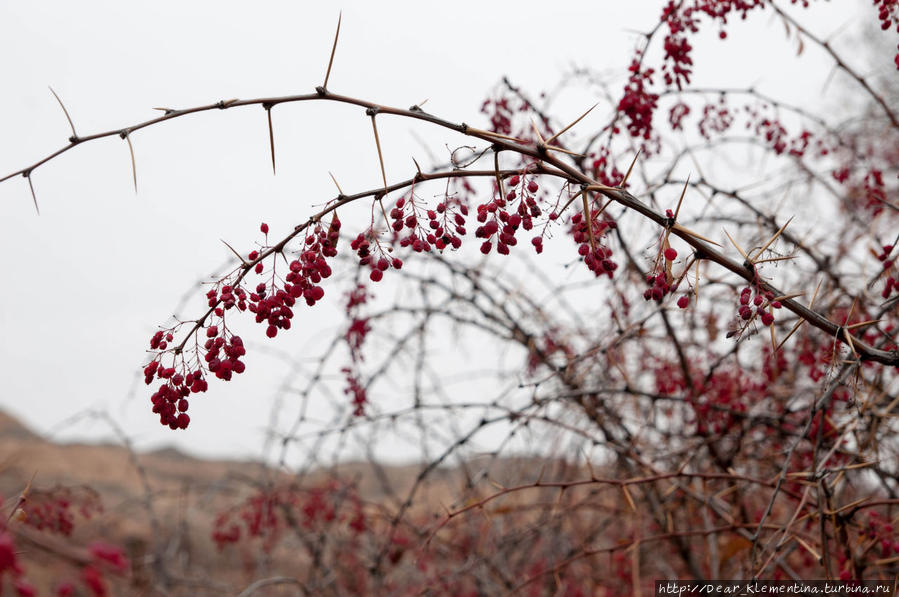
[
  {"x": 874, "y": 191},
  {"x": 359, "y": 325},
  {"x": 660, "y": 281},
  {"x": 500, "y": 114},
  {"x": 448, "y": 225},
  {"x": 597, "y": 256},
  {"x": 638, "y": 103},
  {"x": 604, "y": 169},
  {"x": 716, "y": 118},
  {"x": 888, "y": 15},
  {"x": 678, "y": 64},
  {"x": 659, "y": 287},
  {"x": 223, "y": 368},
  {"x": 683, "y": 18},
  {"x": 272, "y": 304},
  {"x": 356, "y": 391},
  {"x": 379, "y": 262},
  {"x": 170, "y": 399},
  {"x": 355, "y": 337},
  {"x": 445, "y": 224},
  {"x": 302, "y": 281},
  {"x": 759, "y": 303},
  {"x": 500, "y": 218}
]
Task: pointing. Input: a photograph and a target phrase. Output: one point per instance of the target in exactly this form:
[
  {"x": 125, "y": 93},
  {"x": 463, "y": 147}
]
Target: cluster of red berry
[
  {"x": 170, "y": 399},
  {"x": 54, "y": 510},
  {"x": 500, "y": 224},
  {"x": 378, "y": 266},
  {"x": 10, "y": 565},
  {"x": 638, "y": 104},
  {"x": 597, "y": 256},
  {"x": 763, "y": 303},
  {"x": 888, "y": 14},
  {"x": 265, "y": 515},
  {"x": 51, "y": 511},
  {"x": 271, "y": 303}
]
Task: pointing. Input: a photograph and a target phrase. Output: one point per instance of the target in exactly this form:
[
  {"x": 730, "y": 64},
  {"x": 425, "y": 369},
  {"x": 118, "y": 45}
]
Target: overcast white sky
[{"x": 86, "y": 282}]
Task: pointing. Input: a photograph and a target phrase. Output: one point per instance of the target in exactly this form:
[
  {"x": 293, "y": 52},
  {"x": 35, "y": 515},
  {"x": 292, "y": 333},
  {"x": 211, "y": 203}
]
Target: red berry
[
  {"x": 376, "y": 275},
  {"x": 683, "y": 302},
  {"x": 24, "y": 588},
  {"x": 670, "y": 254},
  {"x": 264, "y": 228}
]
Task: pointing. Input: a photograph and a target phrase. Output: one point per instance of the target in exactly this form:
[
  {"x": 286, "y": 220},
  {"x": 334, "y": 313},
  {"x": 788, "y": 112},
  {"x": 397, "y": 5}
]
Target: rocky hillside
[{"x": 163, "y": 506}]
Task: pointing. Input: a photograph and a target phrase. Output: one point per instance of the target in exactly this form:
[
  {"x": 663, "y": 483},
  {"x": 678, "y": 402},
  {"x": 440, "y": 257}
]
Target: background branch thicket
[{"x": 654, "y": 339}]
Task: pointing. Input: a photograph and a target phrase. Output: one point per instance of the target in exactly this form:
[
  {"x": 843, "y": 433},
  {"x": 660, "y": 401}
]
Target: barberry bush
[{"x": 688, "y": 301}]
